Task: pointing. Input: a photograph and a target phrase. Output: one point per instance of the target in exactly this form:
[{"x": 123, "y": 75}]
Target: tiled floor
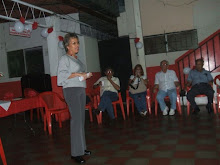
[{"x": 162, "y": 140}]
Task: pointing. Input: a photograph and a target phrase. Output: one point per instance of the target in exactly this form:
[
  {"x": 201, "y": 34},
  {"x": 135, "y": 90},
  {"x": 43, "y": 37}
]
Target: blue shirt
[{"x": 199, "y": 77}]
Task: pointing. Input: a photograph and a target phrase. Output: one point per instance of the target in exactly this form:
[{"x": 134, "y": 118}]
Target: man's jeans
[
  {"x": 172, "y": 96},
  {"x": 106, "y": 102}
]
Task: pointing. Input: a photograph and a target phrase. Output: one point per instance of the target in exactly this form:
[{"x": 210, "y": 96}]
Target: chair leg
[
  {"x": 178, "y": 105},
  {"x": 148, "y": 104},
  {"x": 90, "y": 114},
  {"x": 99, "y": 118},
  {"x": 132, "y": 105},
  {"x": 214, "y": 105},
  {"x": 60, "y": 121},
  {"x": 45, "y": 123},
  {"x": 2, "y": 153},
  {"x": 188, "y": 108},
  {"x": 122, "y": 110},
  {"x": 128, "y": 105},
  {"x": 115, "y": 110},
  {"x": 49, "y": 125},
  {"x": 155, "y": 107}
]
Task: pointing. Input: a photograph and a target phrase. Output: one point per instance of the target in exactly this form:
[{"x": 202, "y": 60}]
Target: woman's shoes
[
  {"x": 78, "y": 159},
  {"x": 87, "y": 152}
]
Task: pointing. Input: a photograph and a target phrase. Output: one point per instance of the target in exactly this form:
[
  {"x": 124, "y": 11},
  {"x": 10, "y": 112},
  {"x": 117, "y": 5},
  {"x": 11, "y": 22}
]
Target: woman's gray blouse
[{"x": 66, "y": 66}]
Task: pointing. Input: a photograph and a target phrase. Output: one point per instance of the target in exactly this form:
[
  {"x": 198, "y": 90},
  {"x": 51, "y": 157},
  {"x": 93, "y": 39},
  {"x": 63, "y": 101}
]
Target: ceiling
[{"x": 100, "y": 14}]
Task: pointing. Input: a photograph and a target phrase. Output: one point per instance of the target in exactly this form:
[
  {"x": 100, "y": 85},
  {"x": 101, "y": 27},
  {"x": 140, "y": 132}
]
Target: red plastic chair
[
  {"x": 53, "y": 104},
  {"x": 90, "y": 105},
  {"x": 8, "y": 96},
  {"x": 188, "y": 103},
  {"x": 2, "y": 153},
  {"x": 129, "y": 99},
  {"x": 28, "y": 93},
  {"x": 167, "y": 98},
  {"x": 218, "y": 91},
  {"x": 119, "y": 101}
]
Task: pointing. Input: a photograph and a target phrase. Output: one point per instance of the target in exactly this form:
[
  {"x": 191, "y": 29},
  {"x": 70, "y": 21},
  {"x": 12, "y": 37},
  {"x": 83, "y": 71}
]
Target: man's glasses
[
  {"x": 109, "y": 71},
  {"x": 164, "y": 64}
]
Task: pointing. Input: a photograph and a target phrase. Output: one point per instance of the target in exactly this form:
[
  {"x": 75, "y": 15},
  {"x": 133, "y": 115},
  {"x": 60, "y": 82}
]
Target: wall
[
  {"x": 167, "y": 16},
  {"x": 51, "y": 51}
]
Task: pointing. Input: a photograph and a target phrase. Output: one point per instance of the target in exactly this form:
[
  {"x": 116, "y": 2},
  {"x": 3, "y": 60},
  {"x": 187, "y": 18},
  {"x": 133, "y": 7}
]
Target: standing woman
[
  {"x": 71, "y": 75},
  {"x": 138, "y": 89}
]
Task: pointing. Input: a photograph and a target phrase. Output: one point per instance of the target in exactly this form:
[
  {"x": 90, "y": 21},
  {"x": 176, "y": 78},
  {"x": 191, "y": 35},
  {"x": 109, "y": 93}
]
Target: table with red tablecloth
[{"x": 21, "y": 105}]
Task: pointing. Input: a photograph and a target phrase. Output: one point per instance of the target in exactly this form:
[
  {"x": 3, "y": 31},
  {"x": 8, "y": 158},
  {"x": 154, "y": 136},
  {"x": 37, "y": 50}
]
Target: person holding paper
[{"x": 71, "y": 76}]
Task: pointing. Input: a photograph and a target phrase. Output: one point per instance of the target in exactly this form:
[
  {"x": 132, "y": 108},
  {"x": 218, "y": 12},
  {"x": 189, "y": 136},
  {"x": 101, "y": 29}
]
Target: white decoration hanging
[
  {"x": 28, "y": 27},
  {"x": 186, "y": 70},
  {"x": 44, "y": 33},
  {"x": 139, "y": 45},
  {"x": 60, "y": 44},
  {"x": 19, "y": 27}
]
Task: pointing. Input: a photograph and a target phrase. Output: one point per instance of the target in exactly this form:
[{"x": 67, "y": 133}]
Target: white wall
[
  {"x": 92, "y": 54},
  {"x": 10, "y": 43},
  {"x": 206, "y": 16},
  {"x": 51, "y": 51},
  {"x": 167, "y": 16}
]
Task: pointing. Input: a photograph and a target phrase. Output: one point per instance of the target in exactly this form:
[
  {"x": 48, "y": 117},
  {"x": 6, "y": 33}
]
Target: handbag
[{"x": 138, "y": 88}]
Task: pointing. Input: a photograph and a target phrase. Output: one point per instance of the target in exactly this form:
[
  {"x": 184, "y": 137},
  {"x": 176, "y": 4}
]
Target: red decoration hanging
[
  {"x": 60, "y": 38},
  {"x": 34, "y": 25},
  {"x": 50, "y": 30},
  {"x": 137, "y": 40},
  {"x": 22, "y": 20}
]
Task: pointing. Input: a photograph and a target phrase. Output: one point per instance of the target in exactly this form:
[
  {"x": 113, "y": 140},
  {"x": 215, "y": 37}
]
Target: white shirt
[
  {"x": 106, "y": 85},
  {"x": 166, "y": 80}
]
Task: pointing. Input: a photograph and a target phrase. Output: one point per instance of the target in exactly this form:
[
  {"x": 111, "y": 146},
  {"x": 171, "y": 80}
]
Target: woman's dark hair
[
  {"x": 199, "y": 60},
  {"x": 139, "y": 66},
  {"x": 108, "y": 68},
  {"x": 66, "y": 39}
]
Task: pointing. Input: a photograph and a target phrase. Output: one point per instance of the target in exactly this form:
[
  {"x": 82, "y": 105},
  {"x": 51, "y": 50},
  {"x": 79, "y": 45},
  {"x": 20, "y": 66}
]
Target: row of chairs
[{"x": 55, "y": 105}]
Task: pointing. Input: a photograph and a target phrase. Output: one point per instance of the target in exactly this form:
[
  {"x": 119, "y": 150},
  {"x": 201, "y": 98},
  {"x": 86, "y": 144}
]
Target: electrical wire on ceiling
[{"x": 170, "y": 4}]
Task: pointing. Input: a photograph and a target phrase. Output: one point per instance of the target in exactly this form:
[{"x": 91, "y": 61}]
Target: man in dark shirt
[{"x": 201, "y": 81}]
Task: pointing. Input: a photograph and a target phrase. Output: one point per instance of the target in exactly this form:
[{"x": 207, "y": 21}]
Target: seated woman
[
  {"x": 137, "y": 89},
  {"x": 109, "y": 87}
]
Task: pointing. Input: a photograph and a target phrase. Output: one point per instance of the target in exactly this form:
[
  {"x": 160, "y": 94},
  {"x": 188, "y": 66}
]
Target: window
[
  {"x": 25, "y": 61},
  {"x": 171, "y": 42}
]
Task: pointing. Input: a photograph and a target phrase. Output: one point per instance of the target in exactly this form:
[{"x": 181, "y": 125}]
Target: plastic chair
[
  {"x": 8, "y": 96},
  {"x": 188, "y": 103},
  {"x": 90, "y": 105},
  {"x": 53, "y": 104},
  {"x": 167, "y": 98},
  {"x": 217, "y": 91},
  {"x": 129, "y": 99},
  {"x": 28, "y": 93},
  {"x": 114, "y": 103},
  {"x": 2, "y": 153}
]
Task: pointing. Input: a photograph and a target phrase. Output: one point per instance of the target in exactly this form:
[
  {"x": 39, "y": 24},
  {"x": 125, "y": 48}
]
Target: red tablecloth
[{"x": 21, "y": 106}]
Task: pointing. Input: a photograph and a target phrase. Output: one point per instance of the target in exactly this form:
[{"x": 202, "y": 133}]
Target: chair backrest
[
  {"x": 52, "y": 100},
  {"x": 29, "y": 92},
  {"x": 217, "y": 85},
  {"x": 8, "y": 96}
]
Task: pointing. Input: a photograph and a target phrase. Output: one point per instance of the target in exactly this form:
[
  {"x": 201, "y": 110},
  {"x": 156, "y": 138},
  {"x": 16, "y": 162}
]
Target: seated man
[
  {"x": 109, "y": 87},
  {"x": 167, "y": 81},
  {"x": 201, "y": 81}
]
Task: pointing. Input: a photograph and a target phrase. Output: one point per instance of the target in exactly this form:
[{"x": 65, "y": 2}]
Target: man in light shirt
[
  {"x": 166, "y": 81},
  {"x": 109, "y": 87}
]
